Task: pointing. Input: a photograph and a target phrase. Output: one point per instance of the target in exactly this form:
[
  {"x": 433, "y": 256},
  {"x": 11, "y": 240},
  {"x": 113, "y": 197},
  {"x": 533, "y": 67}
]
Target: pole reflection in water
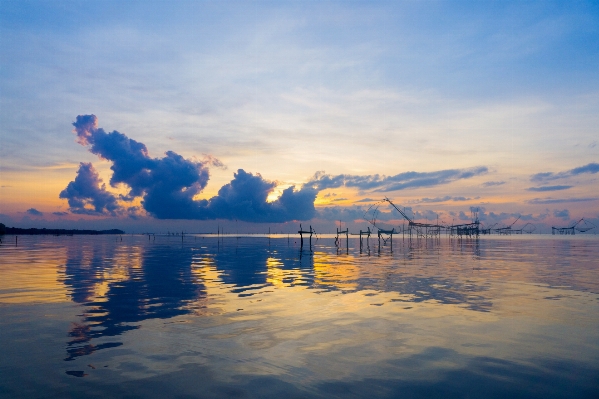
[{"x": 263, "y": 317}]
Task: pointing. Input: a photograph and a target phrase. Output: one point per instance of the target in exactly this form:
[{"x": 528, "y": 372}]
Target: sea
[{"x": 257, "y": 316}]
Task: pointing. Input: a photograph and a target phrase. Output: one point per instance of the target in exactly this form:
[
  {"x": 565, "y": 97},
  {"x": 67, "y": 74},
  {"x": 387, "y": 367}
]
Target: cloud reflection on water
[
  {"x": 120, "y": 287},
  {"x": 153, "y": 283}
]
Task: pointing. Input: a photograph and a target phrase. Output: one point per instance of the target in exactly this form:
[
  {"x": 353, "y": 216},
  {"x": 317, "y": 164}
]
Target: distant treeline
[{"x": 34, "y": 231}]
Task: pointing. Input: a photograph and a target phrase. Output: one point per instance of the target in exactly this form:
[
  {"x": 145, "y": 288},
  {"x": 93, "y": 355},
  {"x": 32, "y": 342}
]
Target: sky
[{"x": 188, "y": 115}]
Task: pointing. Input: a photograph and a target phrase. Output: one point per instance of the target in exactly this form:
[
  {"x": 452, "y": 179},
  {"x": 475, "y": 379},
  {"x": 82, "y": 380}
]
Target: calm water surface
[{"x": 90, "y": 317}]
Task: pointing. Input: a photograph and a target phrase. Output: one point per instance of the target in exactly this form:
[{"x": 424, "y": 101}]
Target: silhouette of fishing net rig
[
  {"x": 414, "y": 229},
  {"x": 431, "y": 230},
  {"x": 582, "y": 226}
]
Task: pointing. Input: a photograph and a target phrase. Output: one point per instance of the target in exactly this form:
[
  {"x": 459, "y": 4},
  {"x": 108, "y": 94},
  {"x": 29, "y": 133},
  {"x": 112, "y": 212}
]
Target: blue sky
[{"x": 289, "y": 89}]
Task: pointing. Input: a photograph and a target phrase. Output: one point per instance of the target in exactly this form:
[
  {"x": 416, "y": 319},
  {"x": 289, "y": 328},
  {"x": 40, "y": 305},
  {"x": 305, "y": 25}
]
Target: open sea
[{"x": 252, "y": 317}]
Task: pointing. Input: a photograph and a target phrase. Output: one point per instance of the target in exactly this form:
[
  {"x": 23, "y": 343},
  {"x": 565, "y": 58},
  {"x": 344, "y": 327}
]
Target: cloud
[
  {"x": 244, "y": 198},
  {"x": 60, "y": 213},
  {"x": 367, "y": 200},
  {"x": 463, "y": 216},
  {"x": 492, "y": 183},
  {"x": 591, "y": 168},
  {"x": 335, "y": 213},
  {"x": 402, "y": 181},
  {"x": 549, "y": 200},
  {"x": 564, "y": 214},
  {"x": 34, "y": 212},
  {"x": 429, "y": 215},
  {"x": 169, "y": 184},
  {"x": 171, "y": 176},
  {"x": 439, "y": 199},
  {"x": 549, "y": 188},
  {"x": 213, "y": 161},
  {"x": 87, "y": 194},
  {"x": 361, "y": 212},
  {"x": 492, "y": 218}
]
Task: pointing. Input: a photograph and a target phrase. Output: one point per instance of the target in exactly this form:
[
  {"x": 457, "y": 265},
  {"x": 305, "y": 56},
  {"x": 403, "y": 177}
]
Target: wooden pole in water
[
  {"x": 360, "y": 241},
  {"x": 347, "y": 238}
]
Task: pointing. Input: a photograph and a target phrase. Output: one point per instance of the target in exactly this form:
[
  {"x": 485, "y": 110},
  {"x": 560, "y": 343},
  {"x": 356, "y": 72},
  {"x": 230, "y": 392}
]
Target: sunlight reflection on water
[{"x": 258, "y": 317}]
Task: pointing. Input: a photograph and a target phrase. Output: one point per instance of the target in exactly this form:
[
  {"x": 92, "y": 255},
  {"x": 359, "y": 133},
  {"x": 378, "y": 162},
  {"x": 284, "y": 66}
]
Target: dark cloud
[
  {"x": 564, "y": 214},
  {"x": 338, "y": 199},
  {"x": 244, "y": 198},
  {"x": 60, "y": 213},
  {"x": 402, "y": 181},
  {"x": 549, "y": 200},
  {"x": 169, "y": 184},
  {"x": 549, "y": 188},
  {"x": 591, "y": 168},
  {"x": 367, "y": 200},
  {"x": 34, "y": 212},
  {"x": 171, "y": 177},
  {"x": 492, "y": 183},
  {"x": 87, "y": 194}
]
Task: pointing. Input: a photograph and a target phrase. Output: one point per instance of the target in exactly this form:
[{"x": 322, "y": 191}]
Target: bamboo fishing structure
[{"x": 582, "y": 226}]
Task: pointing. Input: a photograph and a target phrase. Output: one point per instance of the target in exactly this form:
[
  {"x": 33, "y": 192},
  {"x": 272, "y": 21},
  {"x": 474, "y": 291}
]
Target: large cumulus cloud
[{"x": 169, "y": 184}]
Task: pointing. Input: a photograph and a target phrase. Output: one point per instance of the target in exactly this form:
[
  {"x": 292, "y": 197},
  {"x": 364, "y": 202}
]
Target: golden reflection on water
[
  {"x": 29, "y": 275},
  {"x": 275, "y": 275},
  {"x": 341, "y": 274}
]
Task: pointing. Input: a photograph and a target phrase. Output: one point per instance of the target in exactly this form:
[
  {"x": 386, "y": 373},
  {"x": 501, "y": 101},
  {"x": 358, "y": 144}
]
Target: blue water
[{"x": 111, "y": 316}]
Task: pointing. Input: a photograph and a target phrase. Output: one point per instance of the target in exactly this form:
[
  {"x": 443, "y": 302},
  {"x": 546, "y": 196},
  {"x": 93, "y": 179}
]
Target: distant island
[{"x": 35, "y": 231}]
